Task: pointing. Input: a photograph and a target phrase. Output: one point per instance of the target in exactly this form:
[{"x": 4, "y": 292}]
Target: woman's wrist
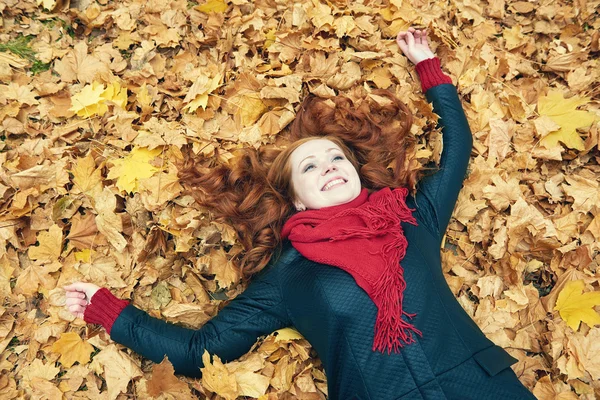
[
  {"x": 431, "y": 74},
  {"x": 104, "y": 308}
]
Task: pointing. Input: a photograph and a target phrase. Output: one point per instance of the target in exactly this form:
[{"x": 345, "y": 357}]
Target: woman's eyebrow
[{"x": 327, "y": 151}]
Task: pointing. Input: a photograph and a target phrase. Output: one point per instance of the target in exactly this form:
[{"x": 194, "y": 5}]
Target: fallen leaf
[
  {"x": 133, "y": 167},
  {"x": 118, "y": 369},
  {"x": 564, "y": 112},
  {"x": 50, "y": 245},
  {"x": 198, "y": 94},
  {"x": 216, "y": 6},
  {"x": 576, "y": 307},
  {"x": 164, "y": 381},
  {"x": 217, "y": 379},
  {"x": 72, "y": 349}
]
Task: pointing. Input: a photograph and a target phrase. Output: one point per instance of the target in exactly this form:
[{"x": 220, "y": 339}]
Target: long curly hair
[{"x": 254, "y": 193}]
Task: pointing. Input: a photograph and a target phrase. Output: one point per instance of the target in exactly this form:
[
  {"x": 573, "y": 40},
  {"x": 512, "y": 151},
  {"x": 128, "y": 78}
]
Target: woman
[{"x": 338, "y": 277}]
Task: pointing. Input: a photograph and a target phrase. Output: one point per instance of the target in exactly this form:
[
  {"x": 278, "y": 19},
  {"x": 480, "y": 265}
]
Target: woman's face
[{"x": 322, "y": 175}]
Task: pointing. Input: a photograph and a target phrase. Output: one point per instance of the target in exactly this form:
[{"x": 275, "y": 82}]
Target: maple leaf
[
  {"x": 564, "y": 112},
  {"x": 164, "y": 381},
  {"x": 37, "y": 369},
  {"x": 71, "y": 348},
  {"x": 109, "y": 223},
  {"x": 270, "y": 38},
  {"x": 84, "y": 232},
  {"x": 89, "y": 101},
  {"x": 217, "y": 379},
  {"x": 50, "y": 245},
  {"x": 216, "y": 6},
  {"x": 198, "y": 94},
  {"x": 86, "y": 177},
  {"x": 576, "y": 307},
  {"x": 136, "y": 165},
  {"x": 118, "y": 368},
  {"x": 93, "y": 99}
]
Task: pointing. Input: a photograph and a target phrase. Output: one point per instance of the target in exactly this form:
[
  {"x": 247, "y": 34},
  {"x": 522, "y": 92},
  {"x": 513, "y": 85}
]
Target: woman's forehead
[{"x": 312, "y": 146}]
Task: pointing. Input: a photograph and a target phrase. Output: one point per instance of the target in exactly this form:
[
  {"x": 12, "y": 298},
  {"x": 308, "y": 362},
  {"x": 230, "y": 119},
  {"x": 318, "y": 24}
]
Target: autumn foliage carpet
[{"x": 100, "y": 99}]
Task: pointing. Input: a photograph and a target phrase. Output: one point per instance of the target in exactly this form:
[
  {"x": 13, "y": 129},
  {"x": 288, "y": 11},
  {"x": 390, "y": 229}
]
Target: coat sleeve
[
  {"x": 258, "y": 311},
  {"x": 438, "y": 193}
]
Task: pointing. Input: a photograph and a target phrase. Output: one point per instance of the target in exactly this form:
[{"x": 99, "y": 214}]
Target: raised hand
[
  {"x": 414, "y": 45},
  {"x": 79, "y": 295}
]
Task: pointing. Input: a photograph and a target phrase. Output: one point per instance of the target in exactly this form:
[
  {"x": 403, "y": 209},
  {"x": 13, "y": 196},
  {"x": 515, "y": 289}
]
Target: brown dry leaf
[
  {"x": 217, "y": 379},
  {"x": 118, "y": 369},
  {"x": 224, "y": 270},
  {"x": 284, "y": 372},
  {"x": 84, "y": 233},
  {"x": 193, "y": 315},
  {"x": 109, "y": 223},
  {"x": 78, "y": 65},
  {"x": 72, "y": 349},
  {"x": 164, "y": 381},
  {"x": 86, "y": 177},
  {"x": 50, "y": 245},
  {"x": 45, "y": 389}
]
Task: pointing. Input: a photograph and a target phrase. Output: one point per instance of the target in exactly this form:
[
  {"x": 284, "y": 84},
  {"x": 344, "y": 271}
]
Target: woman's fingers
[
  {"x": 76, "y": 309},
  {"x": 75, "y": 295},
  {"x": 401, "y": 40},
  {"x": 72, "y": 301},
  {"x": 410, "y": 40}
]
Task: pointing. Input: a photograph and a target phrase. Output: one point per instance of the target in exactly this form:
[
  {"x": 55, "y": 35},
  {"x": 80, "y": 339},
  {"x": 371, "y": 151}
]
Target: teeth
[{"x": 330, "y": 184}]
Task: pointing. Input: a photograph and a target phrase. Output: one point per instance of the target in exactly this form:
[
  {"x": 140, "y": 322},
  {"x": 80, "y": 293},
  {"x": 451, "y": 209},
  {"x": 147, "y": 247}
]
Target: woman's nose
[{"x": 329, "y": 167}]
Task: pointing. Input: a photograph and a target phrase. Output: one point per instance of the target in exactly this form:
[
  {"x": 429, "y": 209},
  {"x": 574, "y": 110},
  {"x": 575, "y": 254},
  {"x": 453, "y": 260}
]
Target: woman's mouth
[{"x": 333, "y": 183}]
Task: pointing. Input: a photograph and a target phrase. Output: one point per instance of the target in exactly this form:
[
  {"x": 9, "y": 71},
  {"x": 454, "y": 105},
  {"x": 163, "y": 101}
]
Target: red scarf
[{"x": 364, "y": 238}]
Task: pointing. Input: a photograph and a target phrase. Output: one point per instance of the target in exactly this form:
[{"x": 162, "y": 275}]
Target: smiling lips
[{"x": 332, "y": 183}]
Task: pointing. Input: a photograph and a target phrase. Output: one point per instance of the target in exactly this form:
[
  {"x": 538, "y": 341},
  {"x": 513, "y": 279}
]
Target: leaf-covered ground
[{"x": 99, "y": 100}]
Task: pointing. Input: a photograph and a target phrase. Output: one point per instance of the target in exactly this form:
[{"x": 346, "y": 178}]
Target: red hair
[{"x": 254, "y": 194}]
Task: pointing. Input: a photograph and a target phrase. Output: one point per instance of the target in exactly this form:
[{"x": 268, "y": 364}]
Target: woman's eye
[{"x": 311, "y": 165}]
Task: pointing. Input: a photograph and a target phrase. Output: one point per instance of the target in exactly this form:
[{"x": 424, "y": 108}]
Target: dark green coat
[{"x": 453, "y": 359}]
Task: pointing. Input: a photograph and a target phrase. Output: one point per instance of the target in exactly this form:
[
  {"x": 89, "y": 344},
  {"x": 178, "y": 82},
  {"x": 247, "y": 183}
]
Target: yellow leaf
[
  {"x": 92, "y": 99},
  {"x": 83, "y": 255},
  {"x": 198, "y": 94},
  {"x": 143, "y": 96},
  {"x": 89, "y": 101},
  {"x": 564, "y": 112},
  {"x": 287, "y": 334},
  {"x": 249, "y": 106},
  {"x": 216, "y": 6},
  {"x": 270, "y": 38},
  {"x": 50, "y": 245},
  {"x": 136, "y": 165},
  {"x": 71, "y": 348},
  {"x": 115, "y": 93},
  {"x": 575, "y": 306}
]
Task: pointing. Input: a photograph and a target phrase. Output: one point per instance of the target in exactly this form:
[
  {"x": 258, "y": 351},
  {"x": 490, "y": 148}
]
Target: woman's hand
[
  {"x": 414, "y": 45},
  {"x": 79, "y": 295}
]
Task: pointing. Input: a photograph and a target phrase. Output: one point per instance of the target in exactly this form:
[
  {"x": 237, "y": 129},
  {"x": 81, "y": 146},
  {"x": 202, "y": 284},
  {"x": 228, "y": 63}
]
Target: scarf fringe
[{"x": 391, "y": 331}]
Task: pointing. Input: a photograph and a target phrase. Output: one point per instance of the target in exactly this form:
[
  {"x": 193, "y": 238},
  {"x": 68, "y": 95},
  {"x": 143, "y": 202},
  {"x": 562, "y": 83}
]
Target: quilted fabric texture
[{"x": 453, "y": 359}]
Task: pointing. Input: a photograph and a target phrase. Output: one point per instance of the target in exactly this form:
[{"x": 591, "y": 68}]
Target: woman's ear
[{"x": 299, "y": 206}]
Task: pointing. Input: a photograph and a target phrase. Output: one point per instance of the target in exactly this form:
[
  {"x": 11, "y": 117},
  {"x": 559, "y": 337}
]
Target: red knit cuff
[
  {"x": 431, "y": 74},
  {"x": 104, "y": 308}
]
